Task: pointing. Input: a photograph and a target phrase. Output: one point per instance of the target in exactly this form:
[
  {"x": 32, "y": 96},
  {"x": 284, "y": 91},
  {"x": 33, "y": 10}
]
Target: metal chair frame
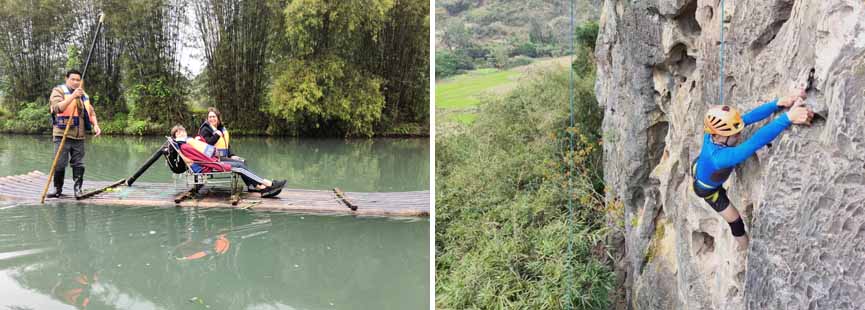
[{"x": 196, "y": 181}]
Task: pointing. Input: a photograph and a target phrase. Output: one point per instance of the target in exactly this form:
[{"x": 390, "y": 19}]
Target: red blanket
[{"x": 206, "y": 164}]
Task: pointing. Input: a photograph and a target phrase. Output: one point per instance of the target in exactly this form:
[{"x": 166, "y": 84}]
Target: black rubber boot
[
  {"x": 78, "y": 178},
  {"x": 58, "y": 184}
]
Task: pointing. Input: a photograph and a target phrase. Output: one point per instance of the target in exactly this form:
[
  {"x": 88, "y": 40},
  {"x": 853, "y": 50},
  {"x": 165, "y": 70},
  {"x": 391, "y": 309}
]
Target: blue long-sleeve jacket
[{"x": 716, "y": 162}]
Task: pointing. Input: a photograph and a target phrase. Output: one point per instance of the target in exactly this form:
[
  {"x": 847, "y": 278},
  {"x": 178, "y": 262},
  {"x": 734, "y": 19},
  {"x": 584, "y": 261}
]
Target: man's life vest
[{"x": 60, "y": 119}]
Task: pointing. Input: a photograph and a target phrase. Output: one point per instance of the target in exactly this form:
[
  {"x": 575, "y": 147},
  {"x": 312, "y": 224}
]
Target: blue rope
[
  {"x": 569, "y": 260},
  {"x": 721, "y": 75}
]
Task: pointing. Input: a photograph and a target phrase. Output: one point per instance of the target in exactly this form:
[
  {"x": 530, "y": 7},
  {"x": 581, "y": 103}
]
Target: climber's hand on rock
[
  {"x": 800, "y": 115},
  {"x": 801, "y": 91},
  {"x": 797, "y": 94},
  {"x": 786, "y": 102}
]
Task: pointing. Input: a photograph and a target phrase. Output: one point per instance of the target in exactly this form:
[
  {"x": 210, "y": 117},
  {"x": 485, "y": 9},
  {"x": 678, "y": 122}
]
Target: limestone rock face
[{"x": 803, "y": 198}]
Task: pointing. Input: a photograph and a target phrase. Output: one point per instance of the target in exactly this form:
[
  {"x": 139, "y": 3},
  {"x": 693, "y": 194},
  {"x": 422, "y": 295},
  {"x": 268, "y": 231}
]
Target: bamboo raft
[{"x": 27, "y": 188}]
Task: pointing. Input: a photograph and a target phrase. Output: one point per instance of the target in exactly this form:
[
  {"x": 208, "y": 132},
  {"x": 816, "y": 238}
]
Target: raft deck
[{"x": 28, "y": 188}]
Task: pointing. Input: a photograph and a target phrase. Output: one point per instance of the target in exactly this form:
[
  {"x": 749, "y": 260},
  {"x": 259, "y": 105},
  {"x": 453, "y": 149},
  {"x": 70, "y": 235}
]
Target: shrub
[
  {"x": 32, "y": 117},
  {"x": 527, "y": 49},
  {"x": 455, "y": 7},
  {"x": 448, "y": 64},
  {"x": 519, "y": 61},
  {"x": 587, "y": 34},
  {"x": 502, "y": 221}
]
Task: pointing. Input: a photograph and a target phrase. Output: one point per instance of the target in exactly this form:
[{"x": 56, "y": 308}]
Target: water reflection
[{"x": 95, "y": 257}]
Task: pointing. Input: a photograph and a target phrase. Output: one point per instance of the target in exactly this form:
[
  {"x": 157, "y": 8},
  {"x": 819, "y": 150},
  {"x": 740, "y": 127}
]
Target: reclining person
[{"x": 201, "y": 158}]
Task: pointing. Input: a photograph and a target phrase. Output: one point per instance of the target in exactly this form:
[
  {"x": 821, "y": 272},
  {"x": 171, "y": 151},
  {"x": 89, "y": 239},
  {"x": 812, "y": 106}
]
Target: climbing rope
[
  {"x": 570, "y": 222},
  {"x": 721, "y": 52}
]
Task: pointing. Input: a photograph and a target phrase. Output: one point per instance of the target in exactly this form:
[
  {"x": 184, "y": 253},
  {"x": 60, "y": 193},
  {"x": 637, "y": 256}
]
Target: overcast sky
[{"x": 191, "y": 54}]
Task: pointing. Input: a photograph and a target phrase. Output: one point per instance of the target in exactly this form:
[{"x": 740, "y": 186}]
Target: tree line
[{"x": 277, "y": 67}]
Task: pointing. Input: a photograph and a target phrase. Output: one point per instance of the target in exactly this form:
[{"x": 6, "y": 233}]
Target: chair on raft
[{"x": 195, "y": 181}]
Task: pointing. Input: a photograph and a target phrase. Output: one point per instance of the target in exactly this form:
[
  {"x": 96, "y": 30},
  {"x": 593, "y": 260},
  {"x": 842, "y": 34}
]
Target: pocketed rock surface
[{"x": 803, "y": 198}]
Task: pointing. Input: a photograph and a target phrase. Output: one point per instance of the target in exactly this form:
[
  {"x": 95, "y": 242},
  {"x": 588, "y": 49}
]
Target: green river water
[{"x": 64, "y": 256}]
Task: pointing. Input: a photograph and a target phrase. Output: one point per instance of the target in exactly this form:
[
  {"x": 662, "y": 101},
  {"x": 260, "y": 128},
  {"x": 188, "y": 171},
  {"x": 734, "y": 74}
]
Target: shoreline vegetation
[
  {"x": 504, "y": 227},
  {"x": 304, "y": 68}
]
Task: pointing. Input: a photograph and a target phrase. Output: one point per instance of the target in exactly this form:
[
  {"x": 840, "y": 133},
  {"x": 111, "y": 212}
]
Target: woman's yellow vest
[{"x": 223, "y": 142}]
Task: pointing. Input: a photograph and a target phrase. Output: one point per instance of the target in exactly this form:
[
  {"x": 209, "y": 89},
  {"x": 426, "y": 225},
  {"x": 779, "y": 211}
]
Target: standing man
[{"x": 70, "y": 106}]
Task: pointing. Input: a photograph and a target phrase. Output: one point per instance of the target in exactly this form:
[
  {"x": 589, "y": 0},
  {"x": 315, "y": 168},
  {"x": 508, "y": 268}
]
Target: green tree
[
  {"x": 327, "y": 97},
  {"x": 157, "y": 89},
  {"x": 328, "y": 80},
  {"x": 402, "y": 61},
  {"x": 235, "y": 36},
  {"x": 33, "y": 47},
  {"x": 104, "y": 77}
]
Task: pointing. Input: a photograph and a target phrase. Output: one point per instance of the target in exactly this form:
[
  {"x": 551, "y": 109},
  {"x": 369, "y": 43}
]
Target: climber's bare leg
[{"x": 730, "y": 214}]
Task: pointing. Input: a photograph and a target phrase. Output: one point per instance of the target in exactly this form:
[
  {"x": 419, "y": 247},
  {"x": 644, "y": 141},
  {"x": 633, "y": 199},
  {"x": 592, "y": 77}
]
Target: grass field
[
  {"x": 463, "y": 91},
  {"x": 458, "y": 97}
]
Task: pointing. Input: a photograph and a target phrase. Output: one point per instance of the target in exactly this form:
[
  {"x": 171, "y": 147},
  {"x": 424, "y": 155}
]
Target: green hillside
[{"x": 502, "y": 33}]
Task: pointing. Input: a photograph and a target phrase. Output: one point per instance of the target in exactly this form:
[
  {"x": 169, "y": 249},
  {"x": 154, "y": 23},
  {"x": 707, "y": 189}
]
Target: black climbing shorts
[{"x": 717, "y": 198}]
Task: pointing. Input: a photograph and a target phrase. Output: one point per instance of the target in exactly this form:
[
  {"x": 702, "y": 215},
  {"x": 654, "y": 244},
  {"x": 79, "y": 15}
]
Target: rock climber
[{"x": 721, "y": 150}]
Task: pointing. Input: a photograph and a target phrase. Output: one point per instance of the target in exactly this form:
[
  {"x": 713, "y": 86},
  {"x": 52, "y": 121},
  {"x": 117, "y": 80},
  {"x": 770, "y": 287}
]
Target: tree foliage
[
  {"x": 235, "y": 36},
  {"x": 370, "y": 66},
  {"x": 323, "y": 95},
  {"x": 372, "y": 56},
  {"x": 33, "y": 47},
  {"x": 157, "y": 87}
]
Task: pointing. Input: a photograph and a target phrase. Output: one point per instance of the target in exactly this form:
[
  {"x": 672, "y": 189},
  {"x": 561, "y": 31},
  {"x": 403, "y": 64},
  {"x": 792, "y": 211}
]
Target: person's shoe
[
  {"x": 278, "y": 183},
  {"x": 58, "y": 184},
  {"x": 273, "y": 190},
  {"x": 270, "y": 192},
  {"x": 78, "y": 178}
]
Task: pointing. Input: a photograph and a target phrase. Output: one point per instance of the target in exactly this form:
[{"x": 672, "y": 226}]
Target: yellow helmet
[{"x": 723, "y": 120}]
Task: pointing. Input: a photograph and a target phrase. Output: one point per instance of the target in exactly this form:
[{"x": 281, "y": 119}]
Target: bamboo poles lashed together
[{"x": 74, "y": 112}]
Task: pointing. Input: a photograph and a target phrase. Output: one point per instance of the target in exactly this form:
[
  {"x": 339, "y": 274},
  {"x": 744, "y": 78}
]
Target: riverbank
[{"x": 28, "y": 124}]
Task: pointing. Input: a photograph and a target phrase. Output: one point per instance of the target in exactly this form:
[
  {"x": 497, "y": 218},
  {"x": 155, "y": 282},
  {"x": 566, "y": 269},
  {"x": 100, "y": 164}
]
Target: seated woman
[
  {"x": 214, "y": 133},
  {"x": 202, "y": 158}
]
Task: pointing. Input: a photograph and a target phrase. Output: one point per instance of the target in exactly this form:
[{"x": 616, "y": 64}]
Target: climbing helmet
[{"x": 723, "y": 120}]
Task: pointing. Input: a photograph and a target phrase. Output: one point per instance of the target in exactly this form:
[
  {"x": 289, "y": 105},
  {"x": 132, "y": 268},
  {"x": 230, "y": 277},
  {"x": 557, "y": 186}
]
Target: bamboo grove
[{"x": 279, "y": 67}]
